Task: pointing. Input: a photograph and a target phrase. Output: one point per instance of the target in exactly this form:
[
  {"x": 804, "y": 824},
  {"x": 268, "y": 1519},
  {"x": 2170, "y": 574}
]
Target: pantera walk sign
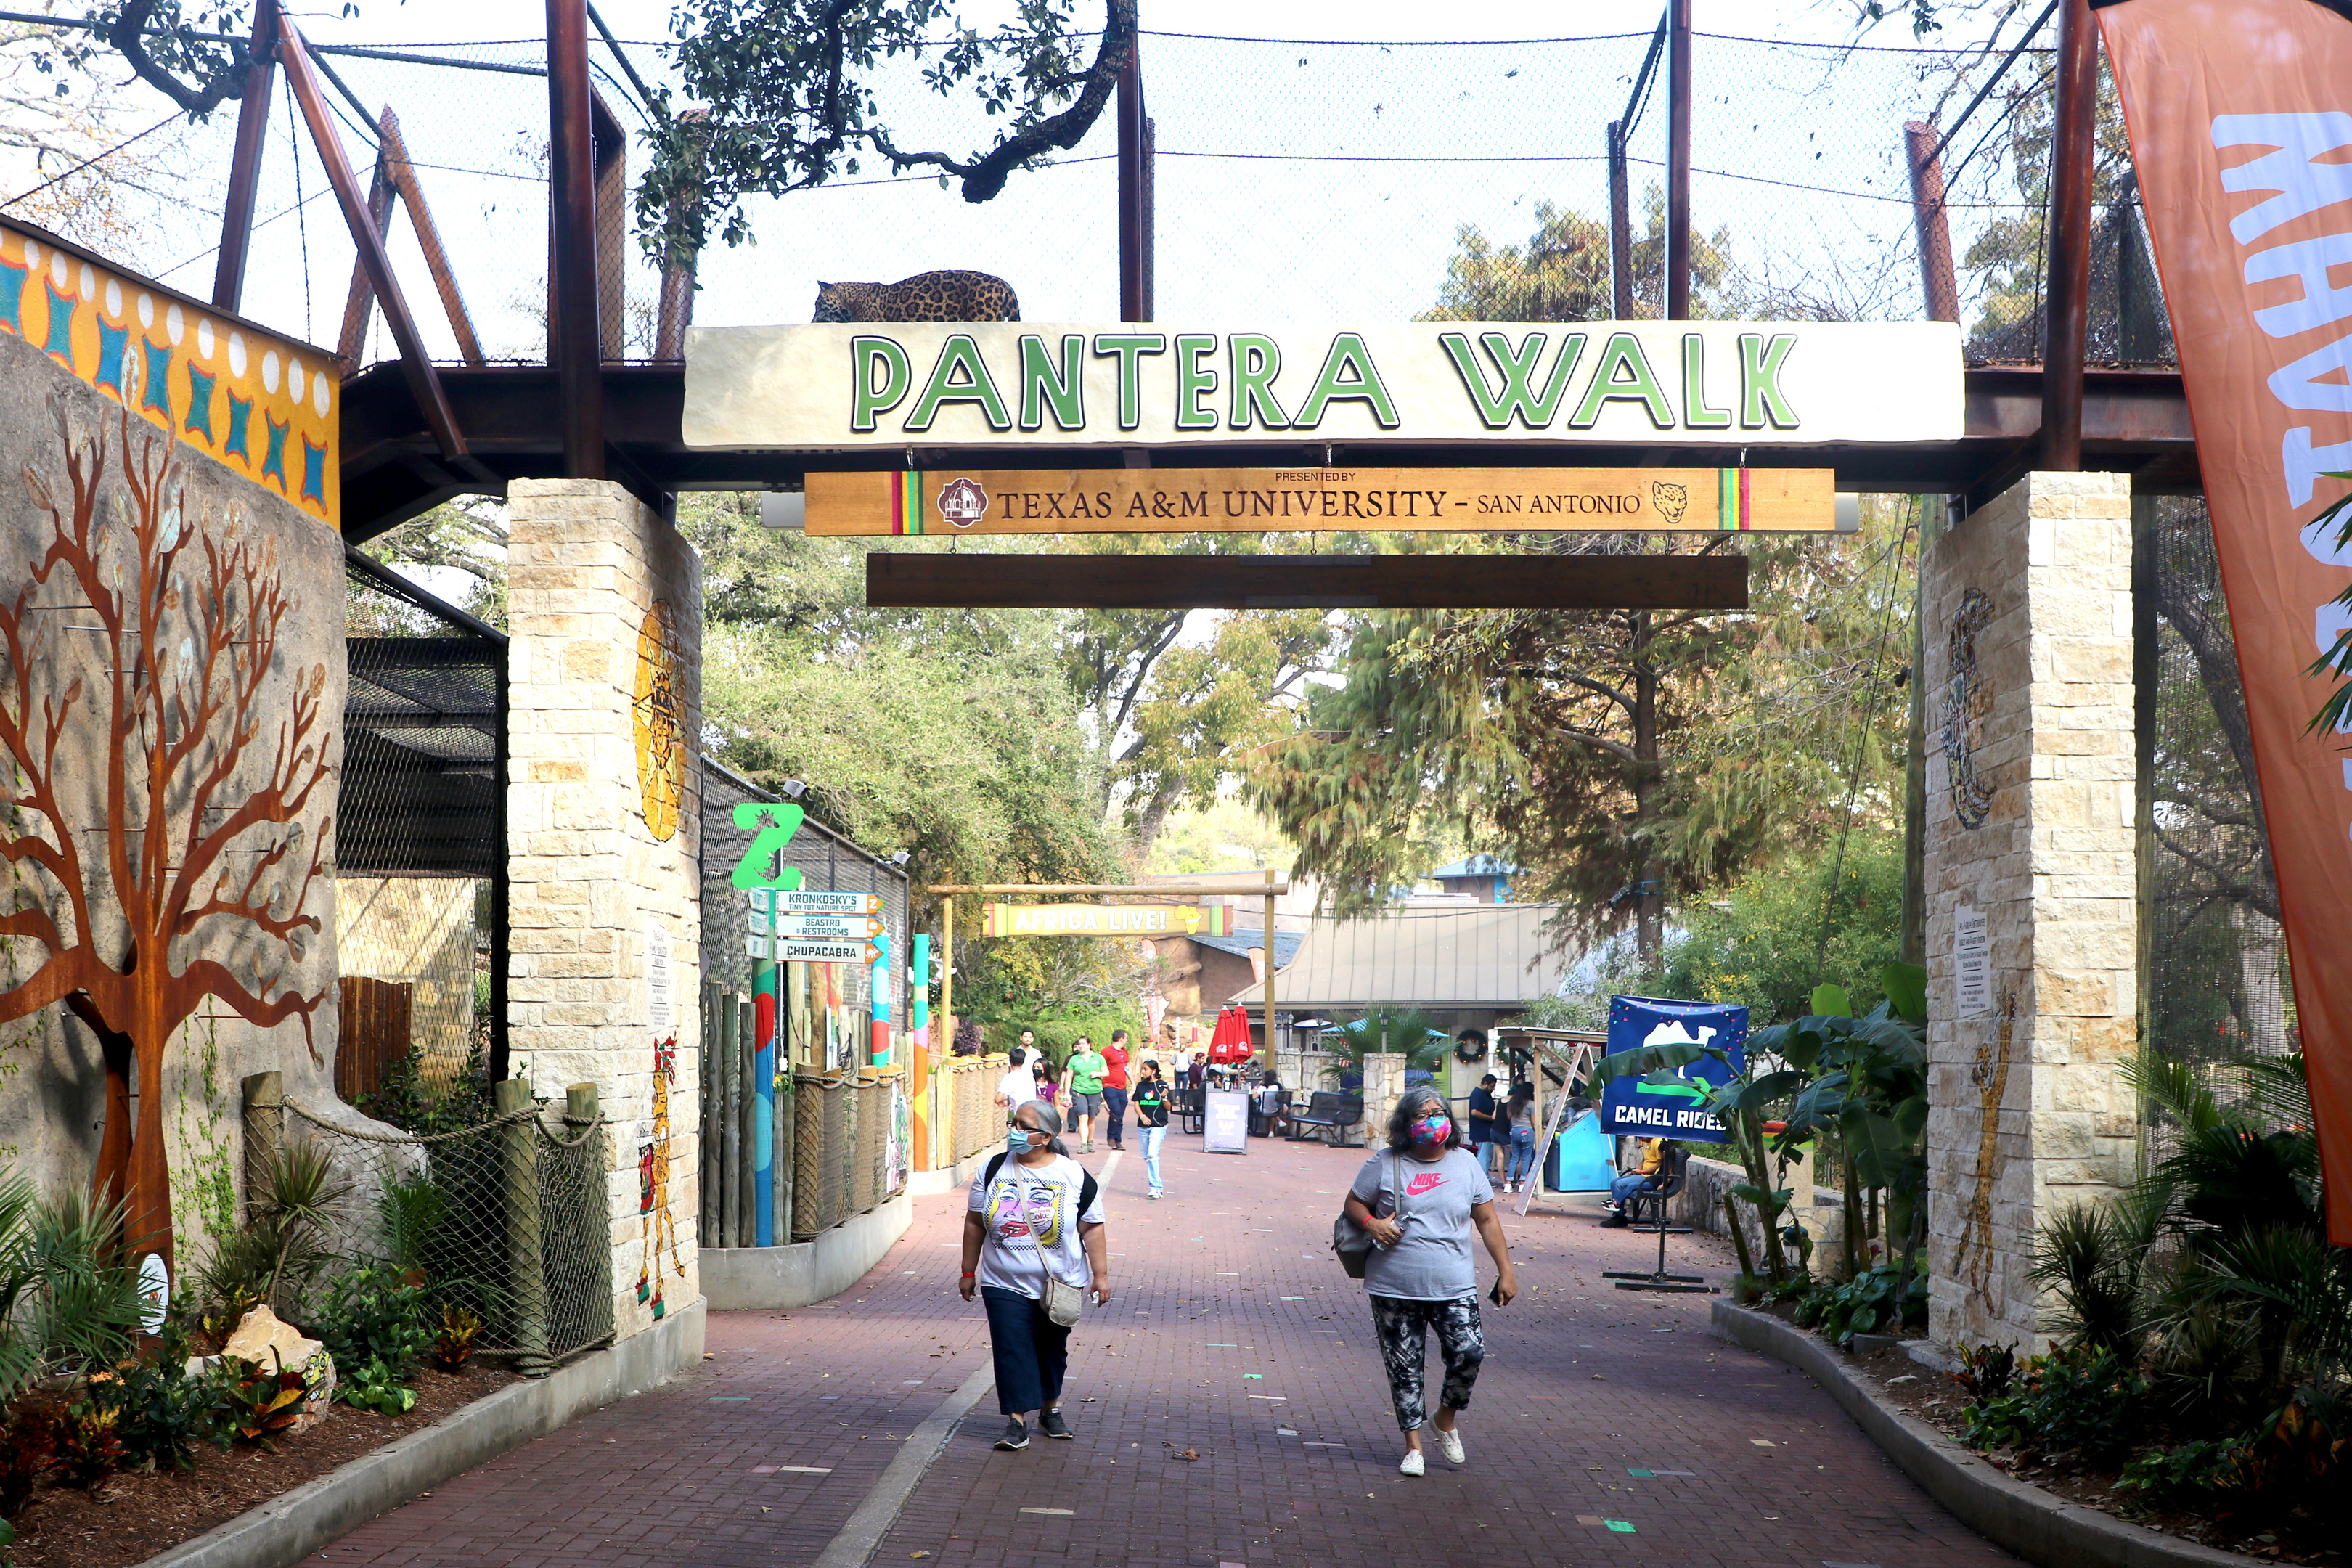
[{"x": 1003, "y": 384}]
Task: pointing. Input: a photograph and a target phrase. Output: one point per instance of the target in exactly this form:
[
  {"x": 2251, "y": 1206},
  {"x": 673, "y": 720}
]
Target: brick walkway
[{"x": 1233, "y": 1335}]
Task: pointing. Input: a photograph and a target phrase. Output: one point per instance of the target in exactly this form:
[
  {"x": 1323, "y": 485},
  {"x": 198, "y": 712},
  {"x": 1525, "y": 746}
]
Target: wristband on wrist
[{"x": 970, "y": 1275}]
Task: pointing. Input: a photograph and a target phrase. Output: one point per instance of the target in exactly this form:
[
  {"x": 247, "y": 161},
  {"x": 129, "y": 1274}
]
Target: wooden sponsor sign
[
  {"x": 1104, "y": 919},
  {"x": 1322, "y": 501}
]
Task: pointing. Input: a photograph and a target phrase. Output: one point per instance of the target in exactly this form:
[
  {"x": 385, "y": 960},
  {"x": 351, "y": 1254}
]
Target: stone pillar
[
  {"x": 1383, "y": 1087},
  {"x": 605, "y": 605},
  {"x": 2031, "y": 796}
]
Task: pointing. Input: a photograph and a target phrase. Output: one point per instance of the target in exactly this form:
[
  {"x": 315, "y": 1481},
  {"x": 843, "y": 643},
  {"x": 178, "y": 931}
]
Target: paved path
[{"x": 1233, "y": 1334}]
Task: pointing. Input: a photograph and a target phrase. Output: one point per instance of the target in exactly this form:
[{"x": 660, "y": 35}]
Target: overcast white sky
[{"x": 1352, "y": 219}]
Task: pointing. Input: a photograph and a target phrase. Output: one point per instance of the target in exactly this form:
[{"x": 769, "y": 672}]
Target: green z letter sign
[{"x": 774, "y": 826}]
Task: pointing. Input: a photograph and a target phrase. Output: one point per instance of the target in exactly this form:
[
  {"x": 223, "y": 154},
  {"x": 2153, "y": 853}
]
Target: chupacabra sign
[
  {"x": 997, "y": 383},
  {"x": 1671, "y": 1103}
]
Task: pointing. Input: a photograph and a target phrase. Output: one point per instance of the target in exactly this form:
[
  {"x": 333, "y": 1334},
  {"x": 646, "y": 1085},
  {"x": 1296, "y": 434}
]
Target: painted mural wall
[{"x": 171, "y": 700}]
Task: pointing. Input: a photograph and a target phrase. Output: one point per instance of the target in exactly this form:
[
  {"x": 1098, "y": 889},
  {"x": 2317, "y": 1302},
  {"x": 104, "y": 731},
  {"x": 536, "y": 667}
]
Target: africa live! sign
[{"x": 2240, "y": 123}]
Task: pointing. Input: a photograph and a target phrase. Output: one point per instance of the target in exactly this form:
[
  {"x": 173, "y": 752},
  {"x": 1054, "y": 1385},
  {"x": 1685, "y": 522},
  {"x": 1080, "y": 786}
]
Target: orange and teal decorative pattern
[{"x": 265, "y": 405}]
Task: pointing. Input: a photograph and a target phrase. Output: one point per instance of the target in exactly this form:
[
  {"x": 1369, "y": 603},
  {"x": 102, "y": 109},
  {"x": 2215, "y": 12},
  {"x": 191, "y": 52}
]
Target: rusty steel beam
[
  {"x": 573, "y": 319},
  {"x": 2066, "y": 318},
  {"x": 245, "y": 162},
  {"x": 1938, "y": 283},
  {"x": 1308, "y": 582},
  {"x": 352, "y": 339},
  {"x": 1620, "y": 225},
  {"x": 395, "y": 177},
  {"x": 611, "y": 143},
  {"x": 1678, "y": 163},
  {"x": 424, "y": 385}
]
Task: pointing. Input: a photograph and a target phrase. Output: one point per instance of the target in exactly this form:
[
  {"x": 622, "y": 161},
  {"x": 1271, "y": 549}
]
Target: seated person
[{"x": 1647, "y": 1174}]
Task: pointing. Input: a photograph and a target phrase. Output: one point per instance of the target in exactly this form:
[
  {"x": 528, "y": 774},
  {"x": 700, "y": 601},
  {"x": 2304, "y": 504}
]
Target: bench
[
  {"x": 1184, "y": 1109},
  {"x": 1676, "y": 1174},
  {"x": 1337, "y": 1115},
  {"x": 1263, "y": 1124}
]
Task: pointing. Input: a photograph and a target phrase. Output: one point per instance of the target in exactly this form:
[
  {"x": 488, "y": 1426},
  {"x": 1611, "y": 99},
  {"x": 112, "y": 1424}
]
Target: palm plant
[
  {"x": 1386, "y": 1031},
  {"x": 68, "y": 1300},
  {"x": 287, "y": 1240}
]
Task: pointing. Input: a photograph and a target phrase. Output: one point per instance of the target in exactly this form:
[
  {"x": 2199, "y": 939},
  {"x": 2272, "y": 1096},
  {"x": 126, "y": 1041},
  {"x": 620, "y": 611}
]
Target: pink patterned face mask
[{"x": 1433, "y": 1130}]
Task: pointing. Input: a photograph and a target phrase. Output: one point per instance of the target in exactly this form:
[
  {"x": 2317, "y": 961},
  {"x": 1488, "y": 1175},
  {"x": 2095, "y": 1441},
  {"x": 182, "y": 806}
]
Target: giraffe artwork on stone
[{"x": 653, "y": 1185}]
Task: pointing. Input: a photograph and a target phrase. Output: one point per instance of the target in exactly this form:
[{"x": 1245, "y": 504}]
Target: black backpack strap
[
  {"x": 1086, "y": 1191},
  {"x": 988, "y": 1177}
]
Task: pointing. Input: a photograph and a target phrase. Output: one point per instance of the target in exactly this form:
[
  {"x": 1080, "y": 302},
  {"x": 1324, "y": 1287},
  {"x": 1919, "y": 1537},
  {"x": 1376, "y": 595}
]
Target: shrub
[
  {"x": 1863, "y": 1305},
  {"x": 2070, "y": 1401},
  {"x": 166, "y": 1410},
  {"x": 373, "y": 1314},
  {"x": 1986, "y": 1370},
  {"x": 28, "y": 1451},
  {"x": 375, "y": 1387},
  {"x": 264, "y": 1404},
  {"x": 283, "y": 1246},
  {"x": 89, "y": 1445},
  {"x": 455, "y": 1342}
]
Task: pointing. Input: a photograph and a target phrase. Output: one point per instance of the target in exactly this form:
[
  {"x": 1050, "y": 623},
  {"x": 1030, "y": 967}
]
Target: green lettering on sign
[
  {"x": 1348, "y": 375},
  {"x": 866, "y": 399},
  {"x": 1127, "y": 347},
  {"x": 1624, "y": 375},
  {"x": 1761, "y": 398},
  {"x": 1257, "y": 361},
  {"x": 1194, "y": 381},
  {"x": 1697, "y": 415},
  {"x": 773, "y": 826},
  {"x": 1043, "y": 384},
  {"x": 959, "y": 376},
  {"x": 1518, "y": 399}
]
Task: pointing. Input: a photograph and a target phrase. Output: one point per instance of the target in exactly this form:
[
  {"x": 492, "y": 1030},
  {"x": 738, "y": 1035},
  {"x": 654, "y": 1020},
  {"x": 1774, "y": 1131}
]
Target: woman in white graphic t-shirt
[{"x": 1034, "y": 1216}]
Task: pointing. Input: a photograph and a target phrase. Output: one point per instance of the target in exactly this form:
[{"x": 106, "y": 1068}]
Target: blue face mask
[{"x": 1017, "y": 1141}]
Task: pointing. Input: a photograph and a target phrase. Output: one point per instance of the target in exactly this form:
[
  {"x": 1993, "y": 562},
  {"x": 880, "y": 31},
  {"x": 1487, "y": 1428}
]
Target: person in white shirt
[
  {"x": 1035, "y": 1214},
  {"x": 1018, "y": 1087}
]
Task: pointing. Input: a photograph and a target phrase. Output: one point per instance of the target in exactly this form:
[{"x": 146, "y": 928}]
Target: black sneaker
[
  {"x": 1014, "y": 1436},
  {"x": 1614, "y": 1222},
  {"x": 1050, "y": 1422}
]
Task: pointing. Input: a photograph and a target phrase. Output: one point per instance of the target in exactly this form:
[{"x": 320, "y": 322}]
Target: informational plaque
[
  {"x": 1972, "y": 964},
  {"x": 661, "y": 981},
  {"x": 1225, "y": 1121}
]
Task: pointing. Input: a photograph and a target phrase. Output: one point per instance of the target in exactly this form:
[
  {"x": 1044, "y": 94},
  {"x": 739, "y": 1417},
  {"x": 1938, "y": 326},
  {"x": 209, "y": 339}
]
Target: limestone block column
[
  {"x": 2031, "y": 796},
  {"x": 605, "y": 605}
]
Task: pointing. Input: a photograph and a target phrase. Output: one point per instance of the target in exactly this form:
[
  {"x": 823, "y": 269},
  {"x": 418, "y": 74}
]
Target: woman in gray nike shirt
[{"x": 1422, "y": 1199}]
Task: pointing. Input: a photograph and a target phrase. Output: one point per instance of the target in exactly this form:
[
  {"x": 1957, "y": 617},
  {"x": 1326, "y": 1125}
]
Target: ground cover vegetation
[{"x": 98, "y": 1384}]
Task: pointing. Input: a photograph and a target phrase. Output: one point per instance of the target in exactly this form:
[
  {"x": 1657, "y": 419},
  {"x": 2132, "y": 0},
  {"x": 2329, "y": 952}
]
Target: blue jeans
[
  {"x": 1115, "y": 1103},
  {"x": 1152, "y": 1138},
  {"x": 1626, "y": 1186},
  {"x": 1523, "y": 1154},
  {"x": 1031, "y": 1350}
]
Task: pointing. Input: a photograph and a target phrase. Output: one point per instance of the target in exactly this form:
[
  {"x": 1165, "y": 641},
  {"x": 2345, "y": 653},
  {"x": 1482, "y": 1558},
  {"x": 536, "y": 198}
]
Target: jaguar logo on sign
[
  {"x": 962, "y": 502},
  {"x": 1670, "y": 500}
]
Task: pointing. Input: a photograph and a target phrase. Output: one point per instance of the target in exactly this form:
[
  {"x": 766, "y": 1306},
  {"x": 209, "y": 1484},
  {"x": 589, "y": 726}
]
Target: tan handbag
[{"x": 1064, "y": 1302}]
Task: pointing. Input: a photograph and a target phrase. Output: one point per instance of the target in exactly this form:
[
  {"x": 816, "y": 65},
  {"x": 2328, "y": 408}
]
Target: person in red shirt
[{"x": 1114, "y": 1082}]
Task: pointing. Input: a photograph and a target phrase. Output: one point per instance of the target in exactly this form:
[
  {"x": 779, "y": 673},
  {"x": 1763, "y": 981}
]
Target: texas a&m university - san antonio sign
[{"x": 938, "y": 386}]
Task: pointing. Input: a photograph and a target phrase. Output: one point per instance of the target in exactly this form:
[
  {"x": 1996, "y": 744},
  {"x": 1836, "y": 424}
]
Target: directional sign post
[{"x": 786, "y": 951}]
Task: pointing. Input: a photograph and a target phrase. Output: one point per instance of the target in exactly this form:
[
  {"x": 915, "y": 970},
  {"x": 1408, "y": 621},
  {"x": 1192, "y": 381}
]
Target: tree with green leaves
[
  {"x": 786, "y": 96},
  {"x": 1629, "y": 759},
  {"x": 1562, "y": 273}
]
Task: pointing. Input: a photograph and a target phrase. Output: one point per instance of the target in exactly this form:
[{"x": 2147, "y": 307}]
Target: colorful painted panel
[{"x": 265, "y": 406}]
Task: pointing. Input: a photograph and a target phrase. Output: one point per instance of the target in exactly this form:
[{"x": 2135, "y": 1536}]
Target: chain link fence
[
  {"x": 1294, "y": 179},
  {"x": 2219, "y": 985},
  {"x": 508, "y": 1219}
]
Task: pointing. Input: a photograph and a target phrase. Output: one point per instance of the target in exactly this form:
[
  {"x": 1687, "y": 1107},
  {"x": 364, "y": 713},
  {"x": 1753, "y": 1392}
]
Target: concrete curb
[
  {"x": 746, "y": 1278},
  {"x": 289, "y": 1528},
  {"x": 854, "y": 1546},
  {"x": 2023, "y": 1519}
]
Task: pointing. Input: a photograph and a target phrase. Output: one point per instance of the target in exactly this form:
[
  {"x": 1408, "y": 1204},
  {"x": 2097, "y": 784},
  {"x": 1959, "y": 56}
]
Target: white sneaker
[
  {"x": 1450, "y": 1445},
  {"x": 1413, "y": 1465}
]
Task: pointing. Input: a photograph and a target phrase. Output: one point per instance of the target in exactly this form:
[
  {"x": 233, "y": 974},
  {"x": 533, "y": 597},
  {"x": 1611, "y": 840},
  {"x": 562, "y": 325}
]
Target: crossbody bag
[{"x": 1351, "y": 1241}]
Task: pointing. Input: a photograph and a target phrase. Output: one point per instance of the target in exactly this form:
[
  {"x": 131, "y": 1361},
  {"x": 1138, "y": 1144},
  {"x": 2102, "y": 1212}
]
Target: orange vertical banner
[{"x": 2241, "y": 122}]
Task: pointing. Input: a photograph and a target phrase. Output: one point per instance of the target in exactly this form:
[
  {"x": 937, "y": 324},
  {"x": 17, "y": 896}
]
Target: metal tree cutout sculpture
[{"x": 137, "y": 783}]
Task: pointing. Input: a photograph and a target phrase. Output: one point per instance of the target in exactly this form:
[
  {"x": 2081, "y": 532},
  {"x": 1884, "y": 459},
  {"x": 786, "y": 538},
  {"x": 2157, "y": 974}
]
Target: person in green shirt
[{"x": 1086, "y": 1069}]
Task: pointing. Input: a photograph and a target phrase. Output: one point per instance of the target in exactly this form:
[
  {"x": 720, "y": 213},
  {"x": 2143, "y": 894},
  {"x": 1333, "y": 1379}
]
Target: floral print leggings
[{"x": 1403, "y": 1327}]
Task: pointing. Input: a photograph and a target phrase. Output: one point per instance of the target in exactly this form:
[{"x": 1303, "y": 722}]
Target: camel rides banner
[{"x": 1598, "y": 383}]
